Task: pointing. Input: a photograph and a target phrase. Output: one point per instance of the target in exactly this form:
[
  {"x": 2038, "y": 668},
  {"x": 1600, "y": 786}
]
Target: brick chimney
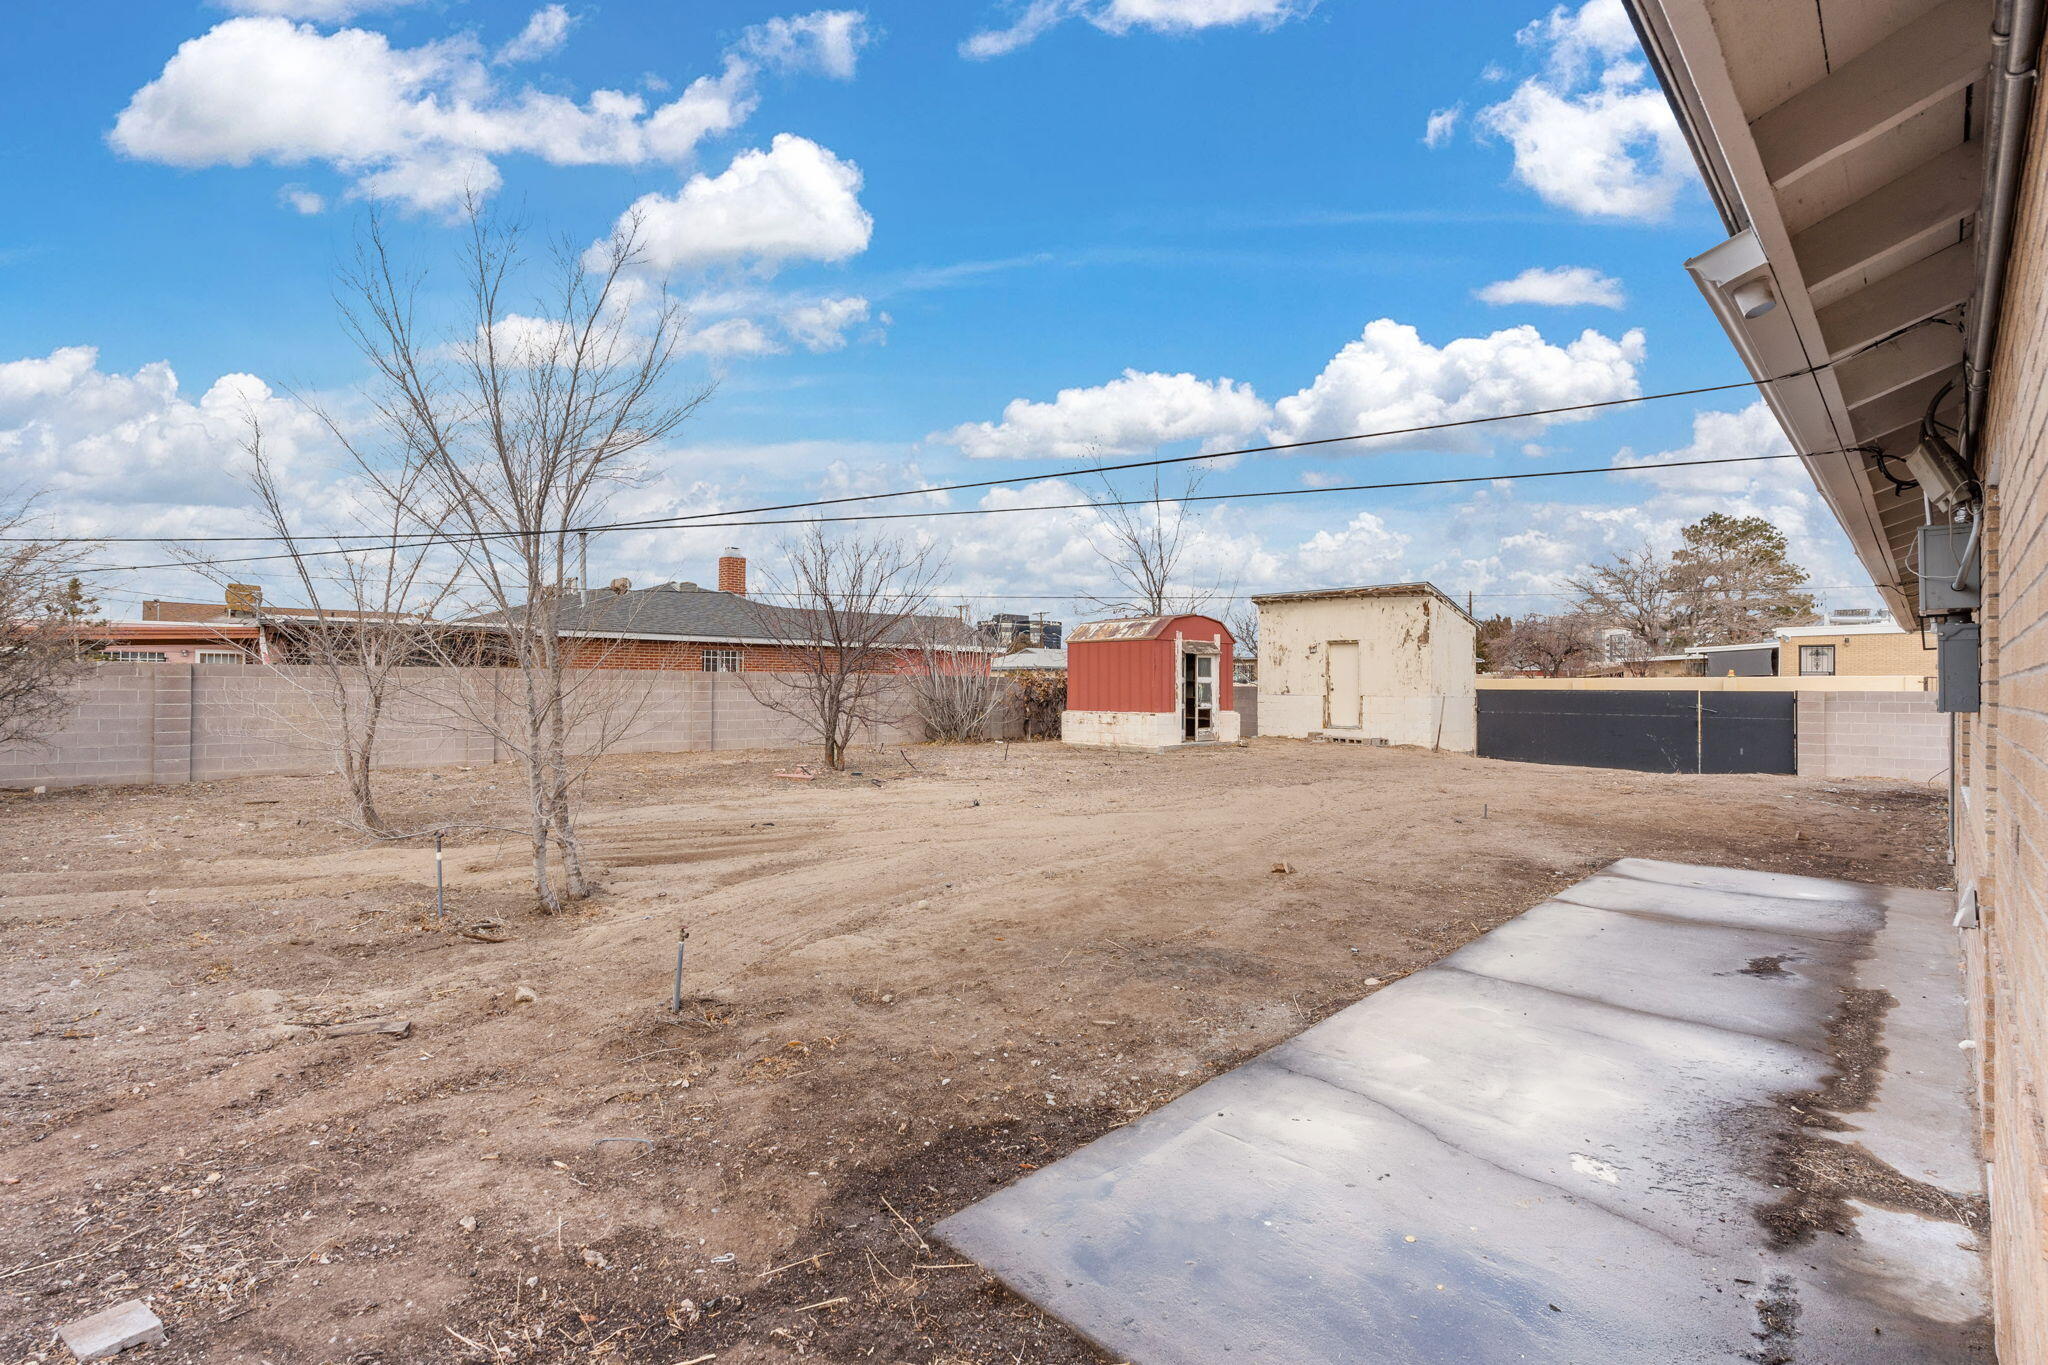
[{"x": 732, "y": 572}]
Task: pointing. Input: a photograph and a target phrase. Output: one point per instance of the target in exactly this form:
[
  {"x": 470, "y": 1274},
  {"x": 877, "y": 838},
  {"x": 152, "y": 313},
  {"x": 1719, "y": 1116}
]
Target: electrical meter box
[
  {"x": 1959, "y": 681},
  {"x": 1942, "y": 546}
]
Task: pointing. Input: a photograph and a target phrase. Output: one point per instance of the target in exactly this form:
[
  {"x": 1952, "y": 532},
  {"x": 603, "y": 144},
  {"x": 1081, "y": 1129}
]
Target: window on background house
[
  {"x": 721, "y": 661},
  {"x": 221, "y": 656},
  {"x": 1816, "y": 661},
  {"x": 137, "y": 656}
]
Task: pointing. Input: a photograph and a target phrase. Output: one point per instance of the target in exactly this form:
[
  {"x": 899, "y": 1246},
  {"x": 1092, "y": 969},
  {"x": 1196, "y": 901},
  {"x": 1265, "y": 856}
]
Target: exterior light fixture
[{"x": 1753, "y": 298}]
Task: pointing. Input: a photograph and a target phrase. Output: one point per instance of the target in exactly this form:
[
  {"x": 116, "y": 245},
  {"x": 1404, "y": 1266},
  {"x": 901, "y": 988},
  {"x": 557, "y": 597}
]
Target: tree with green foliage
[{"x": 1734, "y": 580}]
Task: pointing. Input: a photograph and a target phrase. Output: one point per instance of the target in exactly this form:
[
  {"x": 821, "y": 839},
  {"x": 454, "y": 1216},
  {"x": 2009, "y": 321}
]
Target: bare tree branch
[
  {"x": 857, "y": 620},
  {"x": 1142, "y": 546},
  {"x": 514, "y": 431}
]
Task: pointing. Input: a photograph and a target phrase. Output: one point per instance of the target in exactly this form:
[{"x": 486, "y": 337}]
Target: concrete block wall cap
[{"x": 112, "y": 1331}]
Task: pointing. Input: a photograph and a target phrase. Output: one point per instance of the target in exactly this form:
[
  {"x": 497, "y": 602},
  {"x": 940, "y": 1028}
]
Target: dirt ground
[{"x": 908, "y": 988}]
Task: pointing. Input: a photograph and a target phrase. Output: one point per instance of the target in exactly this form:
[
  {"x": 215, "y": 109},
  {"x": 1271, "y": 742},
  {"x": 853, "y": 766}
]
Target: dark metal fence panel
[
  {"x": 1749, "y": 732},
  {"x": 1649, "y": 731},
  {"x": 1663, "y": 730}
]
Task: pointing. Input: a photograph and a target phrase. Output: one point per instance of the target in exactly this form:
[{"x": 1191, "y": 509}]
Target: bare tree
[
  {"x": 1143, "y": 541},
  {"x": 365, "y": 615},
  {"x": 505, "y": 438},
  {"x": 44, "y": 642},
  {"x": 1244, "y": 629},
  {"x": 1638, "y": 592},
  {"x": 856, "y": 622},
  {"x": 1556, "y": 646}
]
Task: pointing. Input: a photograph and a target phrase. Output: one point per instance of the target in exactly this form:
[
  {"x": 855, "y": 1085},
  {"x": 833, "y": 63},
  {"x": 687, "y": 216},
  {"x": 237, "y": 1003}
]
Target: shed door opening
[
  {"x": 1197, "y": 695},
  {"x": 1342, "y": 705}
]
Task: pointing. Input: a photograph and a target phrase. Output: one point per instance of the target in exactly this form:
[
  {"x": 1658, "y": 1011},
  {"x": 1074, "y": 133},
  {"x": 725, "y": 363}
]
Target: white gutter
[{"x": 2015, "y": 45}]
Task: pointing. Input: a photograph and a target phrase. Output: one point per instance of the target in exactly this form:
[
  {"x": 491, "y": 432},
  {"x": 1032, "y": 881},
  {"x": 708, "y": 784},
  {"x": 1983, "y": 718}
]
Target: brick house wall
[
  {"x": 1893, "y": 653},
  {"x": 2001, "y": 807}
]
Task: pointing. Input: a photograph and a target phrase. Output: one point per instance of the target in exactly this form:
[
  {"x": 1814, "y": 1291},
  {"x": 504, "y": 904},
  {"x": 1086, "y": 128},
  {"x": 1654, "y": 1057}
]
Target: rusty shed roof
[
  {"x": 1133, "y": 628},
  {"x": 1369, "y": 590}
]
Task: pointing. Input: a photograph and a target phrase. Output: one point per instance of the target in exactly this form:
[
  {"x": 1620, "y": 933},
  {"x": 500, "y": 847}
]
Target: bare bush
[
  {"x": 44, "y": 645},
  {"x": 1040, "y": 695},
  {"x": 952, "y": 694}
]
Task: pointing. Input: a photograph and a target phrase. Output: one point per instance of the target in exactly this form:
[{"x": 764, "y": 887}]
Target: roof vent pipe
[{"x": 2015, "y": 46}]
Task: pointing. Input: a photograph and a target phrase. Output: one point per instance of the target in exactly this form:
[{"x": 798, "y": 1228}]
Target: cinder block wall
[
  {"x": 1896, "y": 735},
  {"x": 169, "y": 723}
]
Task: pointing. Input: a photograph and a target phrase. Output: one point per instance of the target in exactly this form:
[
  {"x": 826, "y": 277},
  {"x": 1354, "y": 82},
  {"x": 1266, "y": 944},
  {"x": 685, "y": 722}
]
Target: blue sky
[{"x": 905, "y": 231}]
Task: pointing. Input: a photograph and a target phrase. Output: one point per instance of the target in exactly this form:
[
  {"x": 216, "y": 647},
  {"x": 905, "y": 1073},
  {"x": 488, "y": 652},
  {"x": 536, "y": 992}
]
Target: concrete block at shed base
[{"x": 112, "y": 1331}]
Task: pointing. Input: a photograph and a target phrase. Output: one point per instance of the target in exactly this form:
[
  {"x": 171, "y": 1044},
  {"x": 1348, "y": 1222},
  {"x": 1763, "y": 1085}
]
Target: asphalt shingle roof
[{"x": 685, "y": 609}]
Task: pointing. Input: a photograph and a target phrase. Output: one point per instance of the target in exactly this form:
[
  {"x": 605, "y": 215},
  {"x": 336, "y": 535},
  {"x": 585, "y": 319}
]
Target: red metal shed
[{"x": 1149, "y": 682}]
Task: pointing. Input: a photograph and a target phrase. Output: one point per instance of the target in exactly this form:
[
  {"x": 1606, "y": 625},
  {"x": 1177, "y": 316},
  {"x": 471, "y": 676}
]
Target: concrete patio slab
[{"x": 1675, "y": 1114}]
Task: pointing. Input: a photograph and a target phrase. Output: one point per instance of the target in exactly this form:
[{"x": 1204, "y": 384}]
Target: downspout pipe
[{"x": 2015, "y": 46}]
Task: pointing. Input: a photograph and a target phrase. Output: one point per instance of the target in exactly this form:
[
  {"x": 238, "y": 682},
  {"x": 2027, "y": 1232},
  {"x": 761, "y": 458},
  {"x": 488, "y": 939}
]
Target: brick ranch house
[{"x": 684, "y": 627}]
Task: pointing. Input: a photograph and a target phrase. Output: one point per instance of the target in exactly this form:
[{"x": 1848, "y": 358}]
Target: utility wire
[
  {"x": 698, "y": 517},
  {"x": 1053, "y": 506}
]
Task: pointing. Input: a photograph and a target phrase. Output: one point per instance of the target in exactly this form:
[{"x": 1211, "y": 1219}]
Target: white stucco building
[{"x": 1393, "y": 662}]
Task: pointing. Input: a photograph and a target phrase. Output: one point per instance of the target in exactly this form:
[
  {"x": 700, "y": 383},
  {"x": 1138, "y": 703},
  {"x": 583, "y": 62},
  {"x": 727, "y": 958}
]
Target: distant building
[
  {"x": 1032, "y": 661},
  {"x": 1858, "y": 647},
  {"x": 1009, "y": 630}
]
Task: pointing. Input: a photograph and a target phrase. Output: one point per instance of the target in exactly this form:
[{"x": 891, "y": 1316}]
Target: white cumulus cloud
[
  {"x": 107, "y": 447},
  {"x": 1590, "y": 131},
  {"x": 1559, "y": 287},
  {"x": 1037, "y": 17},
  {"x": 826, "y": 41},
  {"x": 1390, "y": 378},
  {"x": 795, "y": 201},
  {"x": 1441, "y": 124},
  {"x": 1363, "y": 550},
  {"x": 821, "y": 324},
  {"x": 1139, "y": 412},
  {"x": 319, "y": 11},
  {"x": 423, "y": 125},
  {"x": 545, "y": 32}
]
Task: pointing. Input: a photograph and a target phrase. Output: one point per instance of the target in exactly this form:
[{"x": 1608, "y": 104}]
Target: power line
[
  {"x": 687, "y": 519},
  {"x": 1054, "y": 507}
]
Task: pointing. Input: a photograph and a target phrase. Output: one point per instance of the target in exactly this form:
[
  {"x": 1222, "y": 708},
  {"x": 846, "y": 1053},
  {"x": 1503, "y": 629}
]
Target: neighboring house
[
  {"x": 1031, "y": 661},
  {"x": 1861, "y": 651},
  {"x": 684, "y": 627},
  {"x": 1879, "y": 170},
  {"x": 1393, "y": 662},
  {"x": 1878, "y": 649},
  {"x": 177, "y": 642}
]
